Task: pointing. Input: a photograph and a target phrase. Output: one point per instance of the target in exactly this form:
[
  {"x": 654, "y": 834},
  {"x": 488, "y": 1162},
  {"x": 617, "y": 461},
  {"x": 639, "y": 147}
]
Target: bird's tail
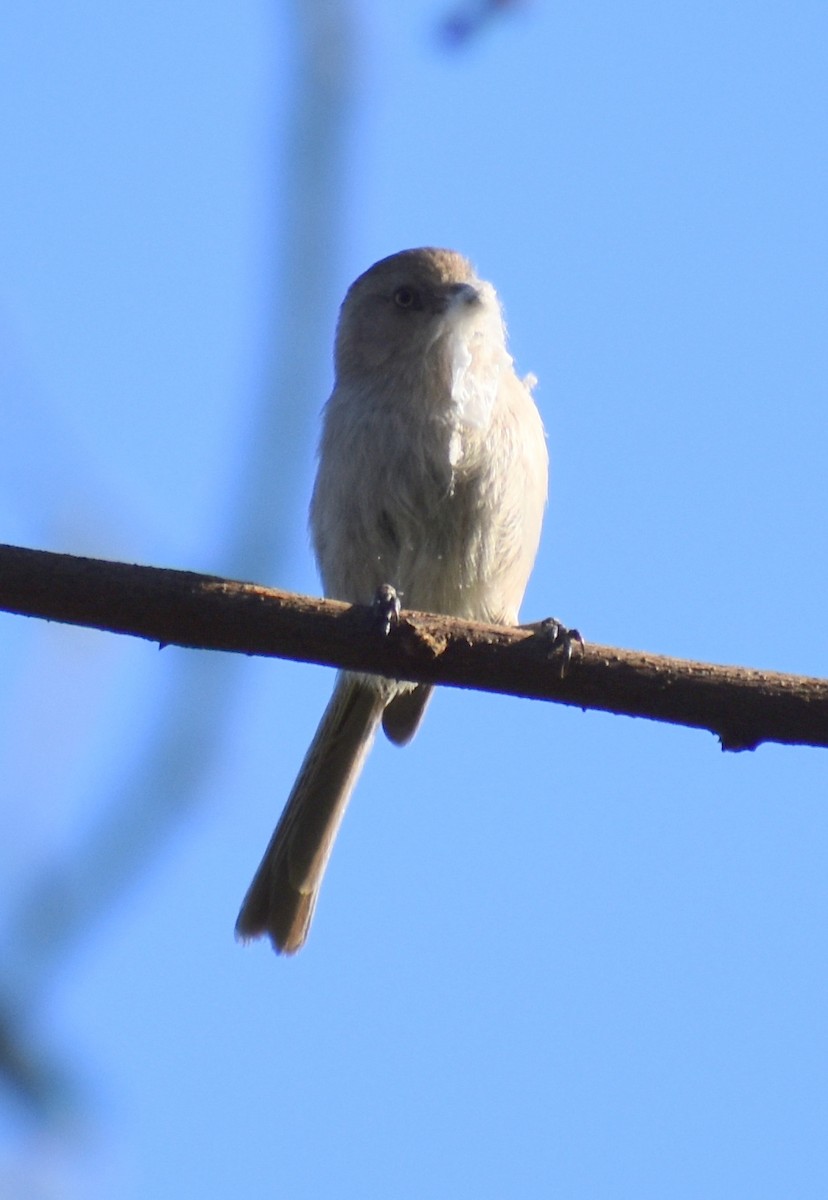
[{"x": 281, "y": 899}]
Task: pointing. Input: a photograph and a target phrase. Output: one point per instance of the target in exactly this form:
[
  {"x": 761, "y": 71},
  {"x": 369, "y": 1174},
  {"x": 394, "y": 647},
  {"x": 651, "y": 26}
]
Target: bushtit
[{"x": 432, "y": 478}]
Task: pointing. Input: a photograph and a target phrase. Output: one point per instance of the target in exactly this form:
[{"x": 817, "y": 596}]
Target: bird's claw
[
  {"x": 386, "y": 606},
  {"x": 562, "y": 639}
]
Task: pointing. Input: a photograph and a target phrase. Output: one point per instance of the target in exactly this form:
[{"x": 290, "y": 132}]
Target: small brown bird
[{"x": 432, "y": 478}]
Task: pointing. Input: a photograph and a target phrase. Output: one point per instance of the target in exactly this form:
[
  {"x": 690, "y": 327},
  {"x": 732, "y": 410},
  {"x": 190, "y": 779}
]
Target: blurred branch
[
  {"x": 743, "y": 707},
  {"x": 34, "y": 1078},
  {"x": 162, "y": 781},
  {"x": 467, "y": 19},
  {"x": 310, "y": 187}
]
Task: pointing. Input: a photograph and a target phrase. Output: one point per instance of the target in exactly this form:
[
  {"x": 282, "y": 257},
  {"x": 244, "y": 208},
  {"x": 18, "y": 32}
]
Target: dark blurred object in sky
[{"x": 469, "y": 19}]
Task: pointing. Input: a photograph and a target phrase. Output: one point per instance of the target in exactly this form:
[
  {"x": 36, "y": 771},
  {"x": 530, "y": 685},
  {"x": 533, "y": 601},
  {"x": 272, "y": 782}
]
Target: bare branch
[{"x": 743, "y": 707}]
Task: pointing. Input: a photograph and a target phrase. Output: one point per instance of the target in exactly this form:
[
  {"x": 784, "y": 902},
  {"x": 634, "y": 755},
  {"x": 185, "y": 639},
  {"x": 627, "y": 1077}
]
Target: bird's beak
[{"x": 457, "y": 296}]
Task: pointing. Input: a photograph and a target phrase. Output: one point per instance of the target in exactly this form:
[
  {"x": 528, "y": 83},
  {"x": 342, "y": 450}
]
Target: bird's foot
[
  {"x": 386, "y": 606},
  {"x": 561, "y": 639}
]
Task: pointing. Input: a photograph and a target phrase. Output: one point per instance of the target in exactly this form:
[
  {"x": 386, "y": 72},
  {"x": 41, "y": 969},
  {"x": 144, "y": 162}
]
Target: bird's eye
[{"x": 406, "y": 297}]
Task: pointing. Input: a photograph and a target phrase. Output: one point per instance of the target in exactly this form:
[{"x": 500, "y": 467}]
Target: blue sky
[{"x": 556, "y": 953}]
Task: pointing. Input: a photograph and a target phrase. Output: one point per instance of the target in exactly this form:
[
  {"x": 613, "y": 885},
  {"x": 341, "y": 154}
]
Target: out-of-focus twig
[
  {"x": 35, "y": 1080},
  {"x": 467, "y": 20},
  {"x": 71, "y": 893}
]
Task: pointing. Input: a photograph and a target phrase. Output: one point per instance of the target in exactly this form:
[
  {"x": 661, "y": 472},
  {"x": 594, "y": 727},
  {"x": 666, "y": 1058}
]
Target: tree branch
[{"x": 743, "y": 707}]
